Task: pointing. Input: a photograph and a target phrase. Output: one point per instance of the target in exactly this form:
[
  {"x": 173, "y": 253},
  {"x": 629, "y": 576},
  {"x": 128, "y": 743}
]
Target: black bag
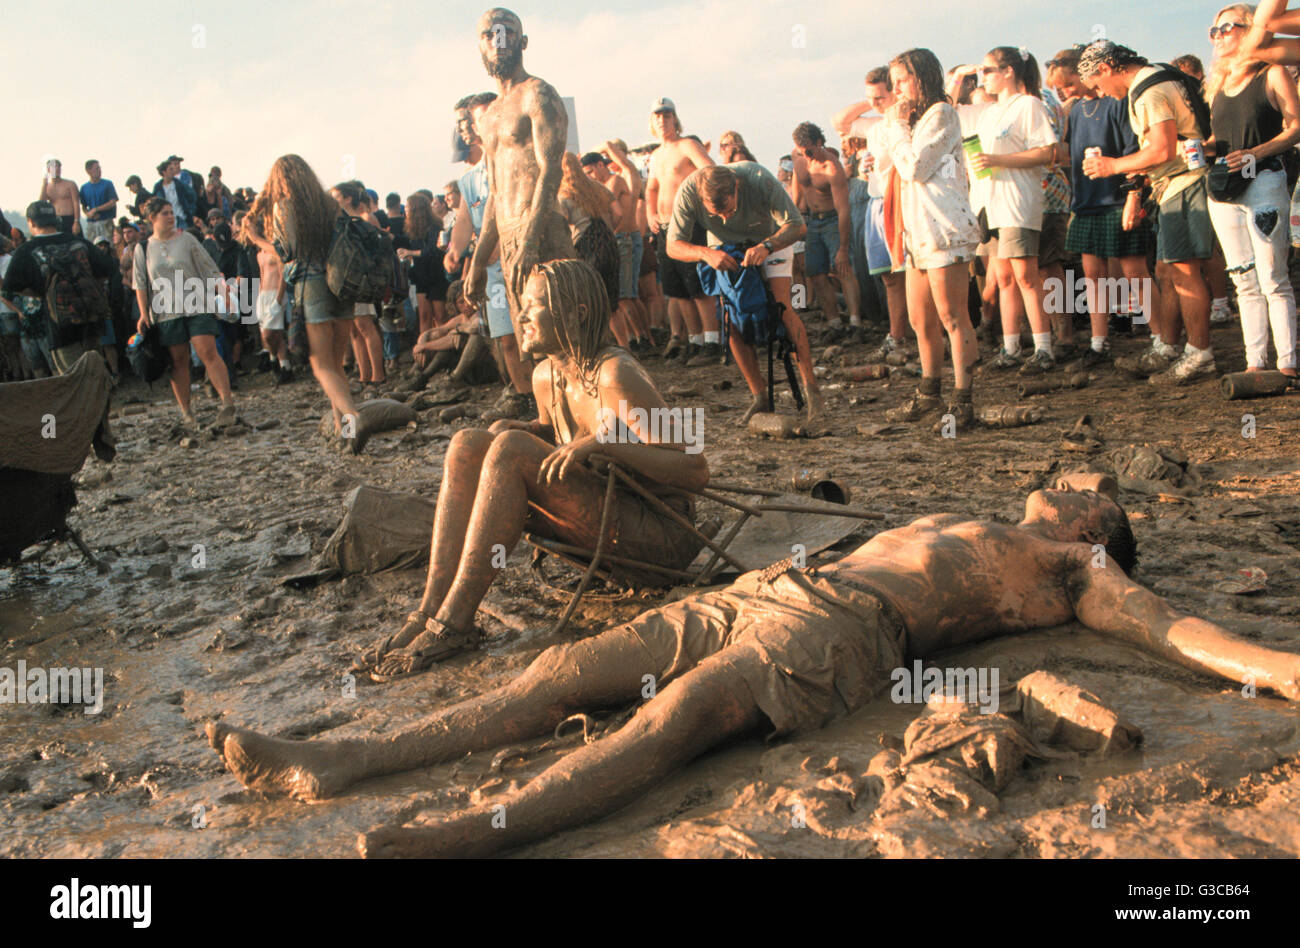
[
  {"x": 149, "y": 359},
  {"x": 1227, "y": 185},
  {"x": 359, "y": 268}
]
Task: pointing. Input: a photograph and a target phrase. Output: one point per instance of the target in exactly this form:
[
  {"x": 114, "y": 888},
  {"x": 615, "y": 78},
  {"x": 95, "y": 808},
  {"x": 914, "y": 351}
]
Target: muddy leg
[{"x": 703, "y": 709}]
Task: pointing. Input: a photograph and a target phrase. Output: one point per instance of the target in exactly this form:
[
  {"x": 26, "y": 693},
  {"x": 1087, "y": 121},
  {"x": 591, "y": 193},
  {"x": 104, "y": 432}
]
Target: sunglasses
[{"x": 1227, "y": 28}]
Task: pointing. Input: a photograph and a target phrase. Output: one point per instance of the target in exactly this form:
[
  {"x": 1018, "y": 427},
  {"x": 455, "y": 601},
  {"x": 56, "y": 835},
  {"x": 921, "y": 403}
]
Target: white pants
[{"x": 1253, "y": 231}]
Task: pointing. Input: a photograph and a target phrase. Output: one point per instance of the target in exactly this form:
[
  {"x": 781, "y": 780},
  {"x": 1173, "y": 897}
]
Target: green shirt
[{"x": 762, "y": 208}]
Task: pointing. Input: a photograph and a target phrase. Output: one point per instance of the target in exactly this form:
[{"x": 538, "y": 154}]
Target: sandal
[
  {"x": 371, "y": 657},
  {"x": 402, "y": 663}
]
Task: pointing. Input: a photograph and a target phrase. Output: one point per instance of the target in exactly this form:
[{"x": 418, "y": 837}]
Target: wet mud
[{"x": 190, "y": 623}]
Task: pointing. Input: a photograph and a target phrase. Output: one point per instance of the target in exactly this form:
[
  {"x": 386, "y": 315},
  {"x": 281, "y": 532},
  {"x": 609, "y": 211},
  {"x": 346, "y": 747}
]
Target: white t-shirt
[
  {"x": 879, "y": 148},
  {"x": 1013, "y": 197},
  {"x": 169, "y": 191}
]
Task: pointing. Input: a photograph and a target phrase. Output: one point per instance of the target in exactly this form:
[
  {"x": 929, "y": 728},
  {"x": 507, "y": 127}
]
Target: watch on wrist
[{"x": 767, "y": 245}]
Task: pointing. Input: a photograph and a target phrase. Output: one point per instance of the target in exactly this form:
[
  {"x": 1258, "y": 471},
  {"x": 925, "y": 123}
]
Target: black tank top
[{"x": 1246, "y": 119}]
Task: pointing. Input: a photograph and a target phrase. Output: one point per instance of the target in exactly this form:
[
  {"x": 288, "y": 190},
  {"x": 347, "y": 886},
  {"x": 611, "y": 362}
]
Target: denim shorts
[
  {"x": 312, "y": 295},
  {"x": 630, "y": 249},
  {"x": 821, "y": 244}
]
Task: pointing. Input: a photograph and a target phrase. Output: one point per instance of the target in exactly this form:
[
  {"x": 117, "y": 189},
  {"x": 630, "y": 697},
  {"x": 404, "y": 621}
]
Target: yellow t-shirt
[{"x": 1161, "y": 103}]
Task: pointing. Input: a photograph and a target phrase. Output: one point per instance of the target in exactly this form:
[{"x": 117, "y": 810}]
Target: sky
[{"x": 364, "y": 88}]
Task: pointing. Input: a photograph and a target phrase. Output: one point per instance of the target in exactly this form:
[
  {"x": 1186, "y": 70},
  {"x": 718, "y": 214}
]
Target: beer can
[
  {"x": 1194, "y": 152},
  {"x": 1093, "y": 151}
]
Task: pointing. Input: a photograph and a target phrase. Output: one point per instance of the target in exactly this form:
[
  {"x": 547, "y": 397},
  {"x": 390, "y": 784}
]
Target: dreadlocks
[{"x": 576, "y": 297}]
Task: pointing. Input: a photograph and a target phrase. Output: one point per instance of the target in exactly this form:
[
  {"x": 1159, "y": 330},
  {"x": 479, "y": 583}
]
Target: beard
[{"x": 505, "y": 66}]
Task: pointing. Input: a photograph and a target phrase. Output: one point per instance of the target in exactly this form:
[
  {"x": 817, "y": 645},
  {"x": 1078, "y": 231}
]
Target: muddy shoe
[
  {"x": 1186, "y": 370},
  {"x": 226, "y": 416},
  {"x": 1092, "y": 358},
  {"x": 674, "y": 348},
  {"x": 710, "y": 354},
  {"x": 881, "y": 352},
  {"x": 1039, "y": 363},
  {"x": 437, "y": 643},
  {"x": 189, "y": 422},
  {"x": 1006, "y": 360},
  {"x": 959, "y": 416},
  {"x": 917, "y": 408}
]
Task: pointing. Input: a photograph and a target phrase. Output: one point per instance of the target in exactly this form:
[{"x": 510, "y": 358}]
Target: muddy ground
[{"x": 1217, "y": 774}]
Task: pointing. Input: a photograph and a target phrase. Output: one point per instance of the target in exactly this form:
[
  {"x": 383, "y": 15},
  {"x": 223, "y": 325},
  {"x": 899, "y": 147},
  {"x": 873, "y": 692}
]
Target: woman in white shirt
[
  {"x": 1018, "y": 143},
  {"x": 923, "y": 137}
]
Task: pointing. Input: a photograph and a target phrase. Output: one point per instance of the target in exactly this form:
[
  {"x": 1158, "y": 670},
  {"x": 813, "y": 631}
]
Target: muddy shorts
[
  {"x": 638, "y": 532},
  {"x": 810, "y": 648}
]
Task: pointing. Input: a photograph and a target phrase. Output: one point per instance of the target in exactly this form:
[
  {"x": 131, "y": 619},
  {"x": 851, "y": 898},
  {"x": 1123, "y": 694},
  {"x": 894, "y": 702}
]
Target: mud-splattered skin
[
  {"x": 957, "y": 581},
  {"x": 523, "y": 134}
]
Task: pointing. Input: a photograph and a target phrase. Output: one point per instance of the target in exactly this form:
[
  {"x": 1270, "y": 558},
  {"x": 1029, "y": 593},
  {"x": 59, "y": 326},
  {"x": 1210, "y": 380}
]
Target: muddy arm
[{"x": 1109, "y": 602}]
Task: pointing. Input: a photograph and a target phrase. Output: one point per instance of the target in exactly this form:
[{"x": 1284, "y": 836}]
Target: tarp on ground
[{"x": 49, "y": 425}]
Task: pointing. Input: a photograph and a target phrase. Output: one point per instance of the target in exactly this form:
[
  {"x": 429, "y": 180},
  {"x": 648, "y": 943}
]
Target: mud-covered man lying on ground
[
  {"x": 591, "y": 397},
  {"x": 780, "y": 651}
]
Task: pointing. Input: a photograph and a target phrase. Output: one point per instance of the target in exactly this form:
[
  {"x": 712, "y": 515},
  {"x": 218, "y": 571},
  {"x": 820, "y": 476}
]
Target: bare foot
[
  {"x": 758, "y": 404},
  {"x": 463, "y": 835},
  {"x": 309, "y": 771}
]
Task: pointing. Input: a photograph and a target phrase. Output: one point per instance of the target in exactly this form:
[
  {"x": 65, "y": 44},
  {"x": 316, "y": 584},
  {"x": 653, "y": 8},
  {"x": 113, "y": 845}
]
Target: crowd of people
[{"x": 991, "y": 195}]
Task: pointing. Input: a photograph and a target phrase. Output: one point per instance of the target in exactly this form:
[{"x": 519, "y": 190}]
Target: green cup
[{"x": 973, "y": 148}]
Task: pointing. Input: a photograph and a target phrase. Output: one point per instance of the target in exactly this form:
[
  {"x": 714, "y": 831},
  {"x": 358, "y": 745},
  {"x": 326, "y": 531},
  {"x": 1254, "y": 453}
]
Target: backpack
[
  {"x": 359, "y": 268},
  {"x": 73, "y": 295},
  {"x": 148, "y": 357},
  {"x": 1191, "y": 91}
]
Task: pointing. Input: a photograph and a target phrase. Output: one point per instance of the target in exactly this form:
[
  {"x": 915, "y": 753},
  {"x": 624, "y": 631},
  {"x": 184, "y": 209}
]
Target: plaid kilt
[{"x": 1102, "y": 235}]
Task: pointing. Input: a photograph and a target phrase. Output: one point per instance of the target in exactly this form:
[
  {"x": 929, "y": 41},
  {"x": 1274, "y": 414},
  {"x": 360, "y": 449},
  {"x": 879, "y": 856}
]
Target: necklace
[{"x": 1095, "y": 106}]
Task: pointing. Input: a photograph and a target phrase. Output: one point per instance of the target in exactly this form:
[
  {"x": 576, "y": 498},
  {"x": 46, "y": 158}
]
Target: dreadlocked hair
[
  {"x": 576, "y": 298},
  {"x": 294, "y": 191}
]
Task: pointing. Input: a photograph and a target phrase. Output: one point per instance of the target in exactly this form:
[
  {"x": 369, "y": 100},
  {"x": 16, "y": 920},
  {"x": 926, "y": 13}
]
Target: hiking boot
[
  {"x": 674, "y": 348},
  {"x": 1006, "y": 360},
  {"x": 710, "y": 354},
  {"x": 1038, "y": 363},
  {"x": 882, "y": 351},
  {"x": 1186, "y": 370},
  {"x": 916, "y": 408},
  {"x": 963, "y": 418},
  {"x": 1092, "y": 358}
]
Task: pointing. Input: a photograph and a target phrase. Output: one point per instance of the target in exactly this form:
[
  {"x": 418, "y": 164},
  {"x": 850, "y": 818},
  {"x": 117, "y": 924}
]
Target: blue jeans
[{"x": 821, "y": 245}]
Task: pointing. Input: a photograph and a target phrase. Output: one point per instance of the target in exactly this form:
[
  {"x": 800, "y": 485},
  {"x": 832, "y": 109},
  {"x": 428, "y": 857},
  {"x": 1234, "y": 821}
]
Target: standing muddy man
[{"x": 524, "y": 133}]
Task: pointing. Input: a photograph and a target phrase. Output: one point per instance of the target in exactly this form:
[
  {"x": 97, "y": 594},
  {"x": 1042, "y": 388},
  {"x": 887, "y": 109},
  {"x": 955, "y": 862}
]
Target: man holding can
[{"x": 1165, "y": 120}]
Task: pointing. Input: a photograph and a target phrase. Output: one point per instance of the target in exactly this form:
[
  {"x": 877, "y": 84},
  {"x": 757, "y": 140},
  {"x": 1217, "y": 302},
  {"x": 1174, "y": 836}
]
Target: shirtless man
[
  {"x": 63, "y": 194},
  {"x": 689, "y": 310},
  {"x": 523, "y": 133},
  {"x": 623, "y": 199},
  {"x": 819, "y": 178},
  {"x": 530, "y": 475},
  {"x": 780, "y": 651},
  {"x": 270, "y": 301}
]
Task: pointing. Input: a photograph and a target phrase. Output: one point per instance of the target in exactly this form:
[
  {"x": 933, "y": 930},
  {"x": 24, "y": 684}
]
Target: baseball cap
[
  {"x": 175, "y": 158},
  {"x": 42, "y": 214},
  {"x": 372, "y": 194},
  {"x": 663, "y": 104},
  {"x": 592, "y": 158}
]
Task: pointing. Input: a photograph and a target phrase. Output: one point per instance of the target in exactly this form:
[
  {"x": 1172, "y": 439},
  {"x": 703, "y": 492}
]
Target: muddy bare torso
[
  {"x": 507, "y": 129},
  {"x": 957, "y": 581}
]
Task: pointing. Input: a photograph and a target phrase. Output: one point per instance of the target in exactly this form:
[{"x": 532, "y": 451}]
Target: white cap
[{"x": 663, "y": 104}]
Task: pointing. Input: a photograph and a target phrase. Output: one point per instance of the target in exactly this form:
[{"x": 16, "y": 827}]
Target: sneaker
[
  {"x": 189, "y": 422},
  {"x": 283, "y": 375},
  {"x": 1038, "y": 363},
  {"x": 1186, "y": 370},
  {"x": 963, "y": 414},
  {"x": 1093, "y": 358},
  {"x": 1221, "y": 314},
  {"x": 1158, "y": 358},
  {"x": 881, "y": 352},
  {"x": 226, "y": 416},
  {"x": 1006, "y": 360},
  {"x": 674, "y": 347},
  {"x": 710, "y": 353},
  {"x": 916, "y": 408}
]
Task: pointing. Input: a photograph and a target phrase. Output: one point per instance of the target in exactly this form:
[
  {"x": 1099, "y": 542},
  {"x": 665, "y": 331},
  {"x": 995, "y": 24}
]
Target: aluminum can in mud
[{"x": 1194, "y": 152}]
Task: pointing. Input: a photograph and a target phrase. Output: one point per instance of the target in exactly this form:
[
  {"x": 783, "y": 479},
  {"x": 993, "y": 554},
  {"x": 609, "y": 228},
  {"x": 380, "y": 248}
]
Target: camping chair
[{"x": 600, "y": 563}]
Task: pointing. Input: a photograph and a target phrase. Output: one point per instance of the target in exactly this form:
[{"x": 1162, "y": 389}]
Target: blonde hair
[
  {"x": 309, "y": 211},
  {"x": 1223, "y": 65},
  {"x": 582, "y": 191},
  {"x": 677, "y": 120}
]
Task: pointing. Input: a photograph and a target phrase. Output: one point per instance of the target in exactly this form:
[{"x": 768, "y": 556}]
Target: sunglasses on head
[{"x": 1227, "y": 28}]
